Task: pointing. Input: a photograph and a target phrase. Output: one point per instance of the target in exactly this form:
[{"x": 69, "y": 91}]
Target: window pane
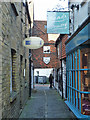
[
  {"x": 85, "y": 58},
  {"x": 46, "y": 49},
  {"x": 86, "y": 104},
  {"x": 85, "y": 82}
]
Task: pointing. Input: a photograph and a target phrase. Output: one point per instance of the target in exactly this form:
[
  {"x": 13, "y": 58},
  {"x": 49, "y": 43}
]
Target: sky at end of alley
[{"x": 42, "y": 6}]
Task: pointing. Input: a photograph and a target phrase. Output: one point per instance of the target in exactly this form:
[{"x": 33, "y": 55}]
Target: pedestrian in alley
[
  {"x": 43, "y": 81},
  {"x": 50, "y": 80}
]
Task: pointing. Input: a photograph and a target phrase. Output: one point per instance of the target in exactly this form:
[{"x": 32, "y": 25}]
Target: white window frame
[{"x": 46, "y": 48}]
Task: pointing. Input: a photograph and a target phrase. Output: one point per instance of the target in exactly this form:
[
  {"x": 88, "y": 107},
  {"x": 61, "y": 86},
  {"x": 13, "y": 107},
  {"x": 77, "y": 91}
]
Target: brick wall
[
  {"x": 37, "y": 55},
  {"x": 64, "y": 39},
  {"x": 11, "y": 38},
  {"x": 62, "y": 50}
]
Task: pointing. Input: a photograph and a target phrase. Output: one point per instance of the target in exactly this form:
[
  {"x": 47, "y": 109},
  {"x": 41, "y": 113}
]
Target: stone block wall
[
  {"x": 0, "y": 64},
  {"x": 11, "y": 37}
]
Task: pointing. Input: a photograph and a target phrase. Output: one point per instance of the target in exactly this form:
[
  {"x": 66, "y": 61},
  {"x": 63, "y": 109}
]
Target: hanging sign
[
  {"x": 58, "y": 22},
  {"x": 46, "y": 60},
  {"x": 33, "y": 42}
]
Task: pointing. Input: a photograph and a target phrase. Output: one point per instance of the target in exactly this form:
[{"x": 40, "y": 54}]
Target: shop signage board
[
  {"x": 58, "y": 22},
  {"x": 79, "y": 39},
  {"x": 33, "y": 42}
]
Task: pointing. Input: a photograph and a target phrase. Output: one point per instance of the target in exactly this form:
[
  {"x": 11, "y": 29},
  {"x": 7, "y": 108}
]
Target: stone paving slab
[{"x": 46, "y": 103}]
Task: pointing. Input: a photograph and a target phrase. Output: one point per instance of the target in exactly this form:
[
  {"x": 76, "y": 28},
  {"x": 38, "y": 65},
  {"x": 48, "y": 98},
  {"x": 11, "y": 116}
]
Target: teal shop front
[{"x": 78, "y": 71}]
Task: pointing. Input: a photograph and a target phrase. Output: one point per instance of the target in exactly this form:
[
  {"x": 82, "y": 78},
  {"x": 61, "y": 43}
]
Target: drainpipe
[
  {"x": 29, "y": 72},
  {"x": 61, "y": 69},
  {"x": 62, "y": 77},
  {"x": 30, "y": 65},
  {"x": 29, "y": 20}
]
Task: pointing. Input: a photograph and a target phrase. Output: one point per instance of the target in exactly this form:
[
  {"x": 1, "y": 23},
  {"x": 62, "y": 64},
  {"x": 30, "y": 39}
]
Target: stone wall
[
  {"x": 11, "y": 39},
  {"x": 0, "y": 64}
]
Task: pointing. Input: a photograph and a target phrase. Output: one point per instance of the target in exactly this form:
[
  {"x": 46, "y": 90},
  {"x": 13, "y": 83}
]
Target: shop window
[
  {"x": 78, "y": 80},
  {"x": 85, "y": 58},
  {"x": 86, "y": 104},
  {"x": 85, "y": 80},
  {"x": 13, "y": 71},
  {"x": 85, "y": 74}
]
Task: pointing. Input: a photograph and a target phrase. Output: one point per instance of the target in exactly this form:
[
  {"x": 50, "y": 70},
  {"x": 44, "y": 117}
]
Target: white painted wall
[
  {"x": 64, "y": 78},
  {"x": 78, "y": 16},
  {"x": 32, "y": 76},
  {"x": 43, "y": 71}
]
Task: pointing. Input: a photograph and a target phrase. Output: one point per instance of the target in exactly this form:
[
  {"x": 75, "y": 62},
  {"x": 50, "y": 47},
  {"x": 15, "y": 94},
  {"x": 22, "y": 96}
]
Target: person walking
[
  {"x": 50, "y": 80},
  {"x": 43, "y": 80}
]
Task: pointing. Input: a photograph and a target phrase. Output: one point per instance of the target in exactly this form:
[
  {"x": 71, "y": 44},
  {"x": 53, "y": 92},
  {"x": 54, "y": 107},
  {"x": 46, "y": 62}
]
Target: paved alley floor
[{"x": 46, "y": 103}]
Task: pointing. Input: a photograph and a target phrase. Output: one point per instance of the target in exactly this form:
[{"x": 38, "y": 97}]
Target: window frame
[
  {"x": 74, "y": 79},
  {"x": 48, "y": 48}
]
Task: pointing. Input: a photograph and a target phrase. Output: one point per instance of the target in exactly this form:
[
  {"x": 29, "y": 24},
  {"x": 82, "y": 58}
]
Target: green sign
[{"x": 58, "y": 22}]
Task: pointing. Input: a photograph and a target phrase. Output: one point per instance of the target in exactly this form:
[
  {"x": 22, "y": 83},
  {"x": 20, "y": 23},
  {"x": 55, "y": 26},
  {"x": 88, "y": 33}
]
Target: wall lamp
[{"x": 75, "y": 6}]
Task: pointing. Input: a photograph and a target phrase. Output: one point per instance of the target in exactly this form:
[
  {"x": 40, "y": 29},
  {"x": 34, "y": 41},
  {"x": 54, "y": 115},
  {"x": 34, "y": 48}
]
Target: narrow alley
[
  {"x": 46, "y": 103},
  {"x": 45, "y": 43}
]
